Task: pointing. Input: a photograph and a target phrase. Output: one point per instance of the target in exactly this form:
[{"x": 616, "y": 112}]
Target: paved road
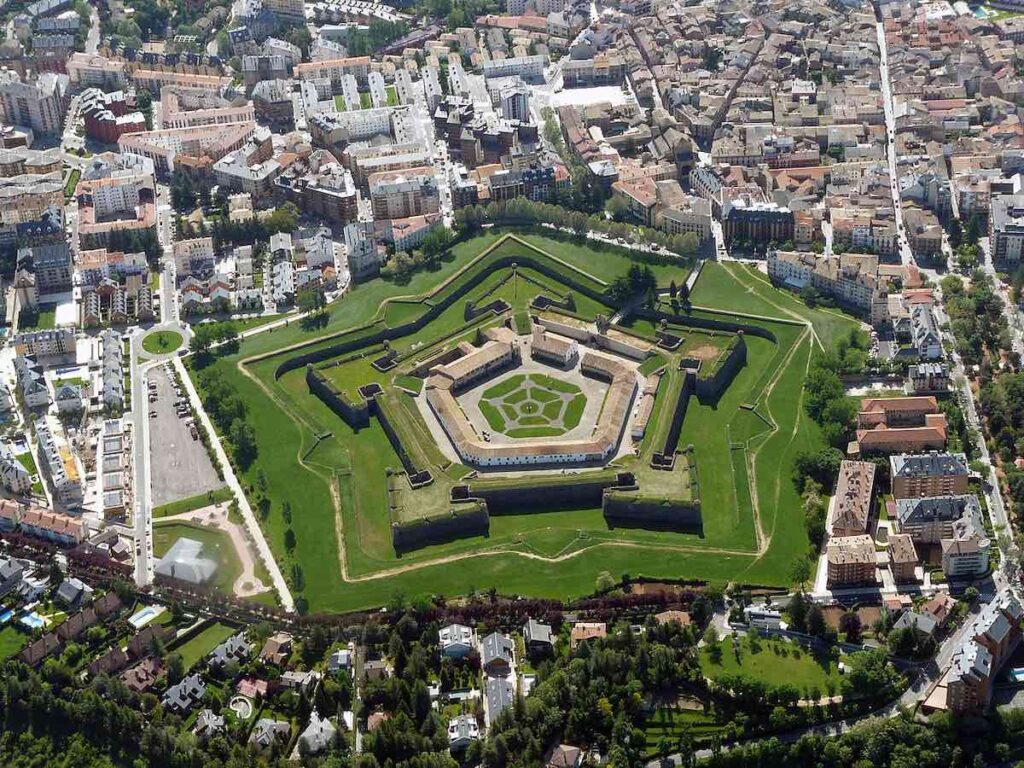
[
  {"x": 262, "y": 547},
  {"x": 92, "y": 40},
  {"x": 906, "y": 256},
  {"x": 143, "y": 529}
]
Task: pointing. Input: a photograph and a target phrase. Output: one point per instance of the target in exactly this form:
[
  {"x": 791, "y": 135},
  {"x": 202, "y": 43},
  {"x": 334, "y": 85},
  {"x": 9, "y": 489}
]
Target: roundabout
[{"x": 162, "y": 342}]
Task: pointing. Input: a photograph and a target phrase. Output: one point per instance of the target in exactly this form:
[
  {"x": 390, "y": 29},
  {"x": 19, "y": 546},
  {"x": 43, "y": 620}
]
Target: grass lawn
[
  {"x": 670, "y": 724},
  {"x": 743, "y": 456},
  {"x": 199, "y": 645},
  {"x": 776, "y": 663},
  {"x": 71, "y": 183},
  {"x": 11, "y": 642},
  {"x": 192, "y": 503},
  {"x": 43, "y": 321},
  {"x": 216, "y": 545},
  {"x": 26, "y": 460},
  {"x": 243, "y": 324},
  {"x": 162, "y": 342},
  {"x": 740, "y": 288}
]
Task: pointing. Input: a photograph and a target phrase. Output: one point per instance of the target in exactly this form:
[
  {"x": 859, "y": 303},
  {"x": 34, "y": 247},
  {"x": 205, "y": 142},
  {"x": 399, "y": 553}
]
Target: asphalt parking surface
[{"x": 180, "y": 465}]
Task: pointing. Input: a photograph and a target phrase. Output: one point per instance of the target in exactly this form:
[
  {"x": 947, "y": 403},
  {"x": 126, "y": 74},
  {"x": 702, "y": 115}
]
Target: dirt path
[{"x": 216, "y": 516}]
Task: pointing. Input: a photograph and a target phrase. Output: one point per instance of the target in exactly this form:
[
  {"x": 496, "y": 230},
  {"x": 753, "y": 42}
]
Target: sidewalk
[{"x": 262, "y": 548}]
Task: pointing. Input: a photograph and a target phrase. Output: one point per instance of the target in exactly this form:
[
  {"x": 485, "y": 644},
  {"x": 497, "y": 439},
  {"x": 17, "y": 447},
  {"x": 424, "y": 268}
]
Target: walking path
[
  {"x": 251, "y": 523},
  {"x": 216, "y": 516}
]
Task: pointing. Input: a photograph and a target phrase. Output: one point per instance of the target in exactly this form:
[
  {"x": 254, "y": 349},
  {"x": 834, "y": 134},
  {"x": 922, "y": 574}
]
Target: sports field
[{"x": 743, "y": 447}]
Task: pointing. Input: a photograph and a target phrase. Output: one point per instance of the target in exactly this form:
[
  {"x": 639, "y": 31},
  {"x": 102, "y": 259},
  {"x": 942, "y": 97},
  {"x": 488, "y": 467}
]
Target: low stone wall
[
  {"x": 384, "y": 416},
  {"x": 355, "y": 414},
  {"x": 627, "y": 509},
  {"x": 710, "y": 388},
  {"x": 541, "y": 494},
  {"x": 462, "y": 521}
]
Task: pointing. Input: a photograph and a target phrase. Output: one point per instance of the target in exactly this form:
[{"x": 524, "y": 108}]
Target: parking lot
[{"x": 180, "y": 465}]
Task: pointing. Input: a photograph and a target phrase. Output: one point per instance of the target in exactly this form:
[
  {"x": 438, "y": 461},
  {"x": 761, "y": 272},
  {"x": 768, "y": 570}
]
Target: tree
[
  {"x": 183, "y": 192},
  {"x": 243, "y": 438},
  {"x": 617, "y": 208},
  {"x": 798, "y": 612},
  {"x": 850, "y": 625},
  {"x": 283, "y": 219},
  {"x": 800, "y": 571},
  {"x": 816, "y": 621},
  {"x": 437, "y": 242},
  {"x": 175, "y": 668}
]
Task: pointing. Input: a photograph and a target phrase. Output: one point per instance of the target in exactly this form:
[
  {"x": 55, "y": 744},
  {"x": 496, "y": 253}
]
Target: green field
[
  {"x": 192, "y": 503},
  {"x": 672, "y": 723},
  {"x": 776, "y": 663},
  {"x": 162, "y": 342},
  {"x": 216, "y": 545},
  {"x": 753, "y": 528},
  {"x": 241, "y": 324},
  {"x": 197, "y": 647},
  {"x": 12, "y": 640},
  {"x": 44, "y": 320}
]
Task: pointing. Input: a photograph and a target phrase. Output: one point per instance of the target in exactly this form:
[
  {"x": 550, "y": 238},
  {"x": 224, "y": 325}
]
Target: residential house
[
  {"x": 456, "y": 641},
  {"x": 496, "y": 654},
  {"x": 537, "y": 637},
  {"x": 266, "y": 733},
  {"x": 276, "y": 649},
  {"x": 318, "y": 735},
  {"x": 181, "y": 698},
  {"x": 208, "y": 724},
  {"x": 461, "y": 731},
  {"x": 583, "y": 631},
  {"x": 235, "y": 649},
  {"x": 73, "y": 593}
]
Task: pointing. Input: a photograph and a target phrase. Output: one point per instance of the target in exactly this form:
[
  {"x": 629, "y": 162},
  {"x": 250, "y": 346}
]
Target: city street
[{"x": 906, "y": 256}]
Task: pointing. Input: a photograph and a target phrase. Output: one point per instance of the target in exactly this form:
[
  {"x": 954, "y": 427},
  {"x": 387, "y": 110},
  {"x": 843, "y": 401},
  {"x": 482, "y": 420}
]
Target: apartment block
[
  {"x": 851, "y": 560},
  {"x": 903, "y": 558},
  {"x": 41, "y": 104},
  {"x": 401, "y": 194},
  {"x": 928, "y": 474},
  {"x": 993, "y": 636},
  {"x": 854, "y": 498}
]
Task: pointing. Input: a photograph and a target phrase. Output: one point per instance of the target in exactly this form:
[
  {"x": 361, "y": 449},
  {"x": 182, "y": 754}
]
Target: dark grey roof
[
  {"x": 235, "y": 648},
  {"x": 928, "y": 464},
  {"x": 913, "y": 512},
  {"x": 535, "y": 632},
  {"x": 186, "y": 694},
  {"x": 496, "y": 647},
  {"x": 499, "y": 696},
  {"x": 919, "y": 621},
  {"x": 266, "y": 731}
]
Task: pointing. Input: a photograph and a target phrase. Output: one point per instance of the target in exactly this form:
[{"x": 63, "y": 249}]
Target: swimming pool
[
  {"x": 32, "y": 620},
  {"x": 139, "y": 619}
]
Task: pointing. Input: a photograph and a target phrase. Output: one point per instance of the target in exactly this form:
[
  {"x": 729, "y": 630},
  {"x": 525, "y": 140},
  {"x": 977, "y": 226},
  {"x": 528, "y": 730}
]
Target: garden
[{"x": 533, "y": 405}]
